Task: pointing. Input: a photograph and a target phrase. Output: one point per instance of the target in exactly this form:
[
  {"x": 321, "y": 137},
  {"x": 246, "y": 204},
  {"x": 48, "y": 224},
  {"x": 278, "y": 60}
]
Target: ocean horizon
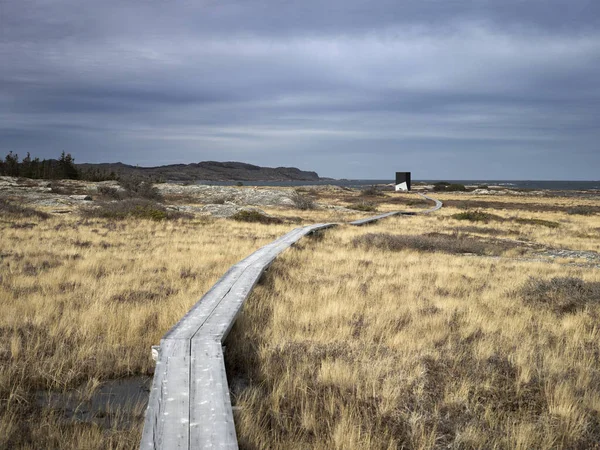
[{"x": 559, "y": 185}]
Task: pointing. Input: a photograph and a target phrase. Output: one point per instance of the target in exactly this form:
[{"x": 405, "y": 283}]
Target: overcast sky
[{"x": 447, "y": 89}]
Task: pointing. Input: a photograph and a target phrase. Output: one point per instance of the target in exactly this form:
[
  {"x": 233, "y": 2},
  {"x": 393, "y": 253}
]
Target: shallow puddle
[{"x": 114, "y": 403}]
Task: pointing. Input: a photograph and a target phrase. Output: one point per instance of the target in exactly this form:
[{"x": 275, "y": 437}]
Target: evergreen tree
[
  {"x": 51, "y": 169},
  {"x": 46, "y": 170},
  {"x": 25, "y": 167},
  {"x": 67, "y": 168},
  {"x": 35, "y": 168},
  {"x": 11, "y": 165}
]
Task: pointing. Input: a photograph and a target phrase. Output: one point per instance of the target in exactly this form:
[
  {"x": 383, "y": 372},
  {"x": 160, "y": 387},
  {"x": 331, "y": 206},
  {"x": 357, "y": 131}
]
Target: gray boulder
[{"x": 86, "y": 198}]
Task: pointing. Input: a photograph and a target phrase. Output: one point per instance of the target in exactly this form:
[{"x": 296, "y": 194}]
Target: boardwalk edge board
[{"x": 189, "y": 405}]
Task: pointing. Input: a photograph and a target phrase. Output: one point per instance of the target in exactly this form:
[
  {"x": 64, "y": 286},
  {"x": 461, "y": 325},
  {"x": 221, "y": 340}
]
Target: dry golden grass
[
  {"x": 85, "y": 299},
  {"x": 340, "y": 362},
  {"x": 344, "y": 346},
  {"x": 576, "y": 232}
]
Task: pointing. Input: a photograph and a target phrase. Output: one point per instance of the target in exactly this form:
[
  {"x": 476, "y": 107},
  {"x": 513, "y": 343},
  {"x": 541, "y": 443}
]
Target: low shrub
[
  {"x": 364, "y": 206},
  {"x": 110, "y": 192},
  {"x": 560, "y": 294},
  {"x": 255, "y": 216},
  {"x": 476, "y": 216},
  {"x": 447, "y": 187},
  {"x": 10, "y": 209},
  {"x": 135, "y": 207},
  {"x": 544, "y": 223},
  {"x": 582, "y": 210},
  {"x": 302, "y": 202},
  {"x": 140, "y": 187},
  {"x": 433, "y": 242},
  {"x": 372, "y": 191},
  {"x": 221, "y": 199},
  {"x": 454, "y": 187}
]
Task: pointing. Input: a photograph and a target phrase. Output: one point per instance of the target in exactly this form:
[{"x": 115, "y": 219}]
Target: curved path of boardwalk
[{"x": 189, "y": 405}]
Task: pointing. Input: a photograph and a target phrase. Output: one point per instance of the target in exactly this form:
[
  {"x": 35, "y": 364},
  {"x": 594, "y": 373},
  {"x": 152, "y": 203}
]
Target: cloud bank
[{"x": 354, "y": 89}]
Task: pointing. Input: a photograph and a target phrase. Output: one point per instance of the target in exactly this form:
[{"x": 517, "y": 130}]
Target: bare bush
[
  {"x": 111, "y": 192},
  {"x": 372, "y": 191},
  {"x": 302, "y": 202},
  {"x": 140, "y": 187}
]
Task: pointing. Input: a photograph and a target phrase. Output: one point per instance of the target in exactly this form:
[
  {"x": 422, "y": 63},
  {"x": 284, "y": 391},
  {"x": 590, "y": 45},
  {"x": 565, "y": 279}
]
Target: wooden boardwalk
[
  {"x": 438, "y": 204},
  {"x": 189, "y": 405},
  {"x": 373, "y": 219}
]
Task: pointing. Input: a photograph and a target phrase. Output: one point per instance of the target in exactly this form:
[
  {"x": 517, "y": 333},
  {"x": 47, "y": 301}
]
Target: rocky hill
[{"x": 209, "y": 171}]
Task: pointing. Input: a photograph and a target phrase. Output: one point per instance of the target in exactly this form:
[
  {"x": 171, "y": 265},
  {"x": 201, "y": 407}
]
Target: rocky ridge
[
  {"x": 208, "y": 171},
  {"x": 217, "y": 201}
]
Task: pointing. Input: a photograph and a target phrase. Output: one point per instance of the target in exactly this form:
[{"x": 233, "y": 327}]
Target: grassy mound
[
  {"x": 135, "y": 207},
  {"x": 560, "y": 294},
  {"x": 433, "y": 242},
  {"x": 255, "y": 216},
  {"x": 476, "y": 216}
]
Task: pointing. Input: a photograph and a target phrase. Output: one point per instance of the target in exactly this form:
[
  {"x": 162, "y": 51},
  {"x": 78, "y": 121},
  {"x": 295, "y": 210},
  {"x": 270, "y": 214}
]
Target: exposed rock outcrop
[
  {"x": 222, "y": 211},
  {"x": 238, "y": 196}
]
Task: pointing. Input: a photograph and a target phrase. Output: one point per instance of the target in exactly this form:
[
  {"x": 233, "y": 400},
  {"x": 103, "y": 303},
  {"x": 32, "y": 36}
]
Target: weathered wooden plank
[
  {"x": 437, "y": 206},
  {"x": 222, "y": 319},
  {"x": 223, "y": 316},
  {"x": 189, "y": 324},
  {"x": 291, "y": 240},
  {"x": 195, "y": 317},
  {"x": 211, "y": 417},
  {"x": 166, "y": 424},
  {"x": 372, "y": 219}
]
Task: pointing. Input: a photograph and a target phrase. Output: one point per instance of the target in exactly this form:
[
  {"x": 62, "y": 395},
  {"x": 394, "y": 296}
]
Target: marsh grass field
[{"x": 452, "y": 330}]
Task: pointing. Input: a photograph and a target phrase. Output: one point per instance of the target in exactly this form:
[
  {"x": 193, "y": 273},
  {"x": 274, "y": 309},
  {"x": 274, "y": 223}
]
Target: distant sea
[{"x": 514, "y": 184}]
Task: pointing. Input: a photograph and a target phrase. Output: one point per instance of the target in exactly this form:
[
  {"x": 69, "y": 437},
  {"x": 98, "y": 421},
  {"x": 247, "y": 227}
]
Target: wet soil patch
[{"x": 113, "y": 403}]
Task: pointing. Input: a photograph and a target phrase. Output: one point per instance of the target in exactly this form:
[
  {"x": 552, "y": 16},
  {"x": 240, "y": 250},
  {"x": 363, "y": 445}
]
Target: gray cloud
[{"x": 449, "y": 89}]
